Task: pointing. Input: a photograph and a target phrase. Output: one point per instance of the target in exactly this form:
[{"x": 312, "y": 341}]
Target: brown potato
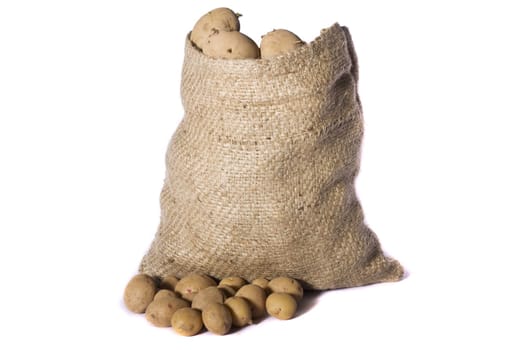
[
  {"x": 263, "y": 283},
  {"x": 240, "y": 310},
  {"x": 217, "y": 318},
  {"x": 279, "y": 42},
  {"x": 227, "y": 291},
  {"x": 286, "y": 285},
  {"x": 256, "y": 297},
  {"x": 160, "y": 311},
  {"x": 230, "y": 45},
  {"x": 186, "y": 321},
  {"x": 169, "y": 282},
  {"x": 206, "y": 296},
  {"x": 191, "y": 284},
  {"x": 165, "y": 293},
  {"x": 281, "y": 305},
  {"x": 233, "y": 281},
  {"x": 139, "y": 293},
  {"x": 221, "y": 18}
]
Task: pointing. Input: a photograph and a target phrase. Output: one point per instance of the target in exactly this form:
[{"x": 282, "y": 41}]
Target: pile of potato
[
  {"x": 218, "y": 35},
  {"x": 196, "y": 301}
]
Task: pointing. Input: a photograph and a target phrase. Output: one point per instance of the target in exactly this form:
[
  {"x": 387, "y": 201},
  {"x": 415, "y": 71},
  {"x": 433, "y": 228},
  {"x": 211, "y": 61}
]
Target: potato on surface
[
  {"x": 139, "y": 293},
  {"x": 227, "y": 291},
  {"x": 169, "y": 282},
  {"x": 187, "y": 321},
  {"x": 191, "y": 284},
  {"x": 165, "y": 293},
  {"x": 217, "y": 318},
  {"x": 262, "y": 282},
  {"x": 206, "y": 296},
  {"x": 281, "y": 305},
  {"x": 240, "y": 310},
  {"x": 256, "y": 297},
  {"x": 233, "y": 281},
  {"x": 160, "y": 311},
  {"x": 286, "y": 285}
]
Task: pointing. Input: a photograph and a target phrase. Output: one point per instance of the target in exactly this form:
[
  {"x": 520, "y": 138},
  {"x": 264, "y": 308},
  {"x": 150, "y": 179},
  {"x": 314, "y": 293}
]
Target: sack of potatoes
[{"x": 260, "y": 181}]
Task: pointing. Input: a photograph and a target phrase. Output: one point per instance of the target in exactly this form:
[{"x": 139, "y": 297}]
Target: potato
[
  {"x": 206, "y": 296},
  {"x": 221, "y": 18},
  {"x": 187, "y": 321},
  {"x": 256, "y": 297},
  {"x": 169, "y": 282},
  {"x": 263, "y": 283},
  {"x": 217, "y": 318},
  {"x": 165, "y": 293},
  {"x": 227, "y": 291},
  {"x": 281, "y": 305},
  {"x": 230, "y": 45},
  {"x": 233, "y": 281},
  {"x": 139, "y": 293},
  {"x": 160, "y": 311},
  {"x": 279, "y": 42},
  {"x": 240, "y": 310},
  {"x": 286, "y": 285},
  {"x": 191, "y": 284}
]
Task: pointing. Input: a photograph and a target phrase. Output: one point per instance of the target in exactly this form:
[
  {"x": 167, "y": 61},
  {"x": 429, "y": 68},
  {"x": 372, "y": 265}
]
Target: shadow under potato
[{"x": 309, "y": 300}]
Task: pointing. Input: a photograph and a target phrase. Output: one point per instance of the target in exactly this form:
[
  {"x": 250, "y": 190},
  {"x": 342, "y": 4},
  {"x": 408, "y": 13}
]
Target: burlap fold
[{"x": 260, "y": 171}]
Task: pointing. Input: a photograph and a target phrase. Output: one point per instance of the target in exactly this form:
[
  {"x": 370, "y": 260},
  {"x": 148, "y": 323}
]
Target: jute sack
[{"x": 260, "y": 171}]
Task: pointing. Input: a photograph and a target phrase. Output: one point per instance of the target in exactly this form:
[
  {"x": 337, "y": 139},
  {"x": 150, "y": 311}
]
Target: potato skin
[
  {"x": 281, "y": 306},
  {"x": 279, "y": 42},
  {"x": 160, "y": 311},
  {"x": 263, "y": 283},
  {"x": 287, "y": 285},
  {"x": 165, "y": 293},
  {"x": 240, "y": 310},
  {"x": 139, "y": 293},
  {"x": 230, "y": 45},
  {"x": 191, "y": 284},
  {"x": 233, "y": 281},
  {"x": 206, "y": 296},
  {"x": 217, "y": 318},
  {"x": 222, "y": 18},
  {"x": 187, "y": 321},
  {"x": 227, "y": 291},
  {"x": 256, "y": 297},
  {"x": 169, "y": 282}
]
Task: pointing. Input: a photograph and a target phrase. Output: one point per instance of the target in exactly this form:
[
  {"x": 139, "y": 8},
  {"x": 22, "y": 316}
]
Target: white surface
[{"x": 89, "y": 97}]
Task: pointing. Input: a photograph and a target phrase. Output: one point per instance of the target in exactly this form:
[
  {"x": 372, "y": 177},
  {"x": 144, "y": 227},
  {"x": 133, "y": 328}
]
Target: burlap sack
[{"x": 260, "y": 171}]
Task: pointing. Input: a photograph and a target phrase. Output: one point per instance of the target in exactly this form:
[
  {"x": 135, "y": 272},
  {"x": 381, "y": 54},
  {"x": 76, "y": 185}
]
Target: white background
[{"x": 89, "y": 97}]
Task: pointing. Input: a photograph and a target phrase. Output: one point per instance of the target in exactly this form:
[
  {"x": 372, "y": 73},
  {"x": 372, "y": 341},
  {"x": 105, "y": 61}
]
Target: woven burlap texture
[{"x": 260, "y": 171}]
